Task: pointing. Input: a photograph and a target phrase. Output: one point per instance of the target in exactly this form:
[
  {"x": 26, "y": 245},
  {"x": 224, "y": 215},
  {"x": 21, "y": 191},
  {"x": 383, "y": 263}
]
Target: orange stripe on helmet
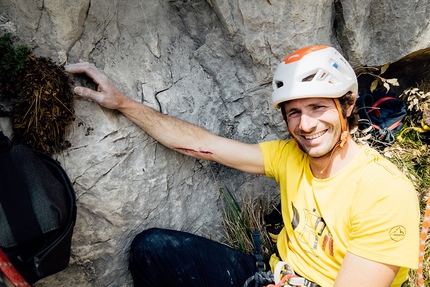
[{"x": 297, "y": 55}]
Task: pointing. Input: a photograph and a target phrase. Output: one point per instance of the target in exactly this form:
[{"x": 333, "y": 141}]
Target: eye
[{"x": 292, "y": 113}]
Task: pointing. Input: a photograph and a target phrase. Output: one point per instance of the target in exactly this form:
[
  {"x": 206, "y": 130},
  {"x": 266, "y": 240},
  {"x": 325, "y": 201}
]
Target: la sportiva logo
[{"x": 397, "y": 233}]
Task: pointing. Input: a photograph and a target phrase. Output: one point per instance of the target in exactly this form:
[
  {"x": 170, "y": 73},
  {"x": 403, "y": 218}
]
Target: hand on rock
[{"x": 107, "y": 94}]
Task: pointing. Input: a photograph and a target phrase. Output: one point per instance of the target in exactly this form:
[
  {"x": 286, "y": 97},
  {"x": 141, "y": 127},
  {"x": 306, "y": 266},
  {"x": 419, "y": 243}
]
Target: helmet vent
[
  {"x": 279, "y": 84},
  {"x": 308, "y": 78}
]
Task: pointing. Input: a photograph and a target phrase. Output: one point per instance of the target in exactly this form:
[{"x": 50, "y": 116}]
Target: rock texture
[{"x": 208, "y": 62}]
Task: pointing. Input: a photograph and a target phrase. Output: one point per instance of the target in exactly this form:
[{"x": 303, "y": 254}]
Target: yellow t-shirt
[{"x": 369, "y": 208}]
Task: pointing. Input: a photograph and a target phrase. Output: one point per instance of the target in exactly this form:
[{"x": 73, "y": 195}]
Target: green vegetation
[
  {"x": 411, "y": 154},
  {"x": 40, "y": 97},
  {"x": 12, "y": 60}
]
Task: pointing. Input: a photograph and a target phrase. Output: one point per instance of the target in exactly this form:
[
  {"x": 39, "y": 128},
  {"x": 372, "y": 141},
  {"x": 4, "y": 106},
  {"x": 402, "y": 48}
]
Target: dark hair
[{"x": 345, "y": 102}]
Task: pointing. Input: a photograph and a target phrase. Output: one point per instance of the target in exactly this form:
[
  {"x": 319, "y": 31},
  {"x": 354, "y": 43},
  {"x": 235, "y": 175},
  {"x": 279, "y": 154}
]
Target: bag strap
[
  {"x": 377, "y": 103},
  {"x": 14, "y": 198},
  {"x": 378, "y": 113},
  {"x": 10, "y": 271}
]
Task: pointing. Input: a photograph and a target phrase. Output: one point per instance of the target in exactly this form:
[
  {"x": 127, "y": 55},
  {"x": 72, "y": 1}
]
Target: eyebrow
[{"x": 318, "y": 102}]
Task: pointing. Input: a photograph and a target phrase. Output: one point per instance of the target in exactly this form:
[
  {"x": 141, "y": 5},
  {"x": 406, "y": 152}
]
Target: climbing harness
[
  {"x": 261, "y": 277},
  {"x": 283, "y": 276}
]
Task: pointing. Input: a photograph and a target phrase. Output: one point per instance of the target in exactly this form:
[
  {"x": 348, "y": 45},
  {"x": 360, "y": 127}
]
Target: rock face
[{"x": 207, "y": 62}]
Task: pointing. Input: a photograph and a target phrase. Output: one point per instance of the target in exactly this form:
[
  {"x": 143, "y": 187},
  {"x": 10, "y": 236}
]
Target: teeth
[{"x": 311, "y": 137}]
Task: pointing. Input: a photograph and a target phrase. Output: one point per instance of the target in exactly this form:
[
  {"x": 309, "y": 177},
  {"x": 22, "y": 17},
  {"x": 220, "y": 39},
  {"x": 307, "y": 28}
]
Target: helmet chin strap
[{"x": 343, "y": 135}]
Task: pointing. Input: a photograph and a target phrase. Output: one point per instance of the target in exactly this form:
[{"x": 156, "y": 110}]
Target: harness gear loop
[
  {"x": 289, "y": 278},
  {"x": 282, "y": 268}
]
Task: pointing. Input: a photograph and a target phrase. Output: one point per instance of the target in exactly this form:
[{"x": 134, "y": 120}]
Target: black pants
[{"x": 165, "y": 258}]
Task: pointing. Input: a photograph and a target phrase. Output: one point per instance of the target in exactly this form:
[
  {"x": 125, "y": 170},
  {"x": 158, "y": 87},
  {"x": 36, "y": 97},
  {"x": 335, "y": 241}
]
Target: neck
[{"x": 333, "y": 162}]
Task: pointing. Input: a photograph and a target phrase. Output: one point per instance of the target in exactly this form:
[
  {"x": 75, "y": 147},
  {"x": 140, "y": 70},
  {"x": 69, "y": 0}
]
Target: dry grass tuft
[
  {"x": 242, "y": 218},
  {"x": 40, "y": 95}
]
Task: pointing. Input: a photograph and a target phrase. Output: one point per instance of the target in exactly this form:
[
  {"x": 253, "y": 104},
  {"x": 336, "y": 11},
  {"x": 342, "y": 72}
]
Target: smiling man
[{"x": 351, "y": 217}]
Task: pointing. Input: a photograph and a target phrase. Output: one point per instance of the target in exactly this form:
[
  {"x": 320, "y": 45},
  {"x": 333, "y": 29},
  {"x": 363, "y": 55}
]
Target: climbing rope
[
  {"x": 284, "y": 276},
  {"x": 423, "y": 238}
]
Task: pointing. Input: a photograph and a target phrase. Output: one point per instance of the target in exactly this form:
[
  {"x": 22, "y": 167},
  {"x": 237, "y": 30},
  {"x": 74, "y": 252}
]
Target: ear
[
  {"x": 284, "y": 114},
  {"x": 351, "y": 108}
]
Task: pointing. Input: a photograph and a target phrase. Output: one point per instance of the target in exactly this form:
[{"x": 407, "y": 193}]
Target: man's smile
[{"x": 314, "y": 136}]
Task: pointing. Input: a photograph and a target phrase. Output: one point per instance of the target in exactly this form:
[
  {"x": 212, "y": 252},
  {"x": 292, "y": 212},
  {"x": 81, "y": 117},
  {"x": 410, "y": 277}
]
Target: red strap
[
  {"x": 377, "y": 103},
  {"x": 393, "y": 126},
  {"x": 10, "y": 272}
]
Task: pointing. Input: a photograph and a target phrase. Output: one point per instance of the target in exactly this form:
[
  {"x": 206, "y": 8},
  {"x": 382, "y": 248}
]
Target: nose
[{"x": 307, "y": 123}]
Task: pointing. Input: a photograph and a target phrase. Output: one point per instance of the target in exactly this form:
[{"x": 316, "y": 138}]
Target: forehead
[{"x": 307, "y": 102}]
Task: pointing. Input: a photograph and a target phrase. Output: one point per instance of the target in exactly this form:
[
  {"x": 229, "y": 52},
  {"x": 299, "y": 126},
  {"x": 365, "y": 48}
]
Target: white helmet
[{"x": 315, "y": 71}]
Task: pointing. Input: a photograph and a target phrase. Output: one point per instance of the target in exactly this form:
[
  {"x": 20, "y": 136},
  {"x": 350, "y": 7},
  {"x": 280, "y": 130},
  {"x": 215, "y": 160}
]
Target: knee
[{"x": 148, "y": 241}]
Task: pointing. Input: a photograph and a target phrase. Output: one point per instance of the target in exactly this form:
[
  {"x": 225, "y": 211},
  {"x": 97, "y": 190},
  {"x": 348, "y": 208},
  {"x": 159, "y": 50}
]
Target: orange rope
[
  {"x": 282, "y": 281},
  {"x": 423, "y": 238}
]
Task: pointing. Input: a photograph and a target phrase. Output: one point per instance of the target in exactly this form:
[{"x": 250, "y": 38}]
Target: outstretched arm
[{"x": 176, "y": 134}]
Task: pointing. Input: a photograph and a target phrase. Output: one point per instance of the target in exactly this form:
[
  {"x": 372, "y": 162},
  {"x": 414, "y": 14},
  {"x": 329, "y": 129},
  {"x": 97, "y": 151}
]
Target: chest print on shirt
[
  {"x": 327, "y": 245},
  {"x": 312, "y": 230}
]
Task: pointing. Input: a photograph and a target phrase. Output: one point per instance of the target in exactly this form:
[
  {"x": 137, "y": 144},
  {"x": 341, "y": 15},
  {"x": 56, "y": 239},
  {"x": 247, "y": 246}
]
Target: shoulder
[
  {"x": 280, "y": 151},
  {"x": 379, "y": 167},
  {"x": 276, "y": 146},
  {"x": 381, "y": 183},
  {"x": 277, "y": 154},
  {"x": 378, "y": 182}
]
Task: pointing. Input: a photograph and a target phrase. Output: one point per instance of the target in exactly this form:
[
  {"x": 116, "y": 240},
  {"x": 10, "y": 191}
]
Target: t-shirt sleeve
[
  {"x": 385, "y": 223},
  {"x": 275, "y": 153},
  {"x": 266, "y": 148}
]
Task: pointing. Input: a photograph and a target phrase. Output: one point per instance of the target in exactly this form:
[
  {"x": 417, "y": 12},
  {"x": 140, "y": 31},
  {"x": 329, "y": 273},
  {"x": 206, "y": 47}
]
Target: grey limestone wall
[{"x": 207, "y": 62}]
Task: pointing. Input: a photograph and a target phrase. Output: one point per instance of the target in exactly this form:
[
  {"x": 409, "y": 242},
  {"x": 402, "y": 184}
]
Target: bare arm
[
  {"x": 176, "y": 134},
  {"x": 357, "y": 271}
]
